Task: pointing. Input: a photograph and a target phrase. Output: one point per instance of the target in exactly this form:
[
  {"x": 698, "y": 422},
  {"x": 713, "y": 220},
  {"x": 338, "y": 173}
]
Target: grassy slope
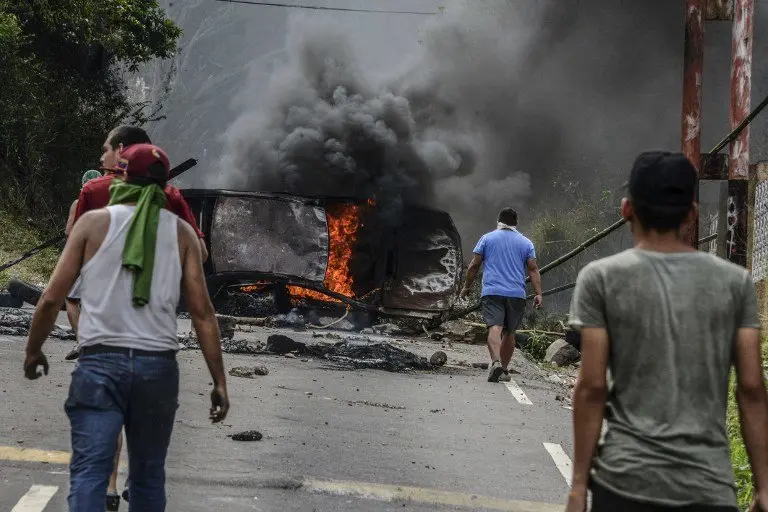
[
  {"x": 17, "y": 237},
  {"x": 738, "y": 451}
]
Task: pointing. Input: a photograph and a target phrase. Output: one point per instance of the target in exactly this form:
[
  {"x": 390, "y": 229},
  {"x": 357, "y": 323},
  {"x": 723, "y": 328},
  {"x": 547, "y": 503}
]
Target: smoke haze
[{"x": 501, "y": 96}]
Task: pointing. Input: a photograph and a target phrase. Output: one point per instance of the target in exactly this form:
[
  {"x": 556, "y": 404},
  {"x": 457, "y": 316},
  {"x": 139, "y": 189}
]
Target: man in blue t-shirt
[{"x": 508, "y": 256}]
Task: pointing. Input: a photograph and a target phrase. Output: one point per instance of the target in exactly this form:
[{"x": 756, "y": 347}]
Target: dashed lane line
[
  {"x": 390, "y": 493},
  {"x": 562, "y": 461},
  {"x": 14, "y": 453},
  {"x": 518, "y": 393},
  {"x": 36, "y": 499}
]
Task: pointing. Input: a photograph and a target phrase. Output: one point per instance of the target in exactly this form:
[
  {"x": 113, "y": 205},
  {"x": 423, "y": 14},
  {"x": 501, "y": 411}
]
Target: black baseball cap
[{"x": 663, "y": 182}]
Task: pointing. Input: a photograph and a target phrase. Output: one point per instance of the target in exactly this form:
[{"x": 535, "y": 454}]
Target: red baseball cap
[{"x": 136, "y": 159}]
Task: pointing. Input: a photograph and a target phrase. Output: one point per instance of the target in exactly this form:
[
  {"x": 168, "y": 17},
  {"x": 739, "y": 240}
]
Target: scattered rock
[
  {"x": 555, "y": 379},
  {"x": 247, "y": 372},
  {"x": 227, "y": 326},
  {"x": 368, "y": 331},
  {"x": 439, "y": 358},
  {"x": 561, "y": 353},
  {"x": 437, "y": 336},
  {"x": 483, "y": 366},
  {"x": 290, "y": 356},
  {"x": 280, "y": 344},
  {"x": 248, "y": 435},
  {"x": 389, "y": 329},
  {"x": 476, "y": 335}
]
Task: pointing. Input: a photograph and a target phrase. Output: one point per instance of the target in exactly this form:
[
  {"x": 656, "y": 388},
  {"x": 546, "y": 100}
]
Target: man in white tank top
[{"x": 134, "y": 258}]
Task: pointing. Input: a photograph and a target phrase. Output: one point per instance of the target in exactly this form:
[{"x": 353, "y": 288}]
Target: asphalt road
[{"x": 334, "y": 439}]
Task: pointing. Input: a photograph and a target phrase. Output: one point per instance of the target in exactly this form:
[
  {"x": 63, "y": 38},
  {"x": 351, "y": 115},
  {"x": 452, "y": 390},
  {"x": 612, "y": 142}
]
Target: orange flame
[
  {"x": 255, "y": 287},
  {"x": 343, "y": 225}
]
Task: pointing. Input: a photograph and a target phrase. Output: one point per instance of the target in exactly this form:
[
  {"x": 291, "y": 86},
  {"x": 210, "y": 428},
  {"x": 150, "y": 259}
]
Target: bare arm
[
  {"x": 203, "y": 251},
  {"x": 753, "y": 405},
  {"x": 533, "y": 273},
  {"x": 589, "y": 403},
  {"x": 204, "y": 320},
  {"x": 44, "y": 318},
  {"x": 472, "y": 270},
  {"x": 71, "y": 218}
]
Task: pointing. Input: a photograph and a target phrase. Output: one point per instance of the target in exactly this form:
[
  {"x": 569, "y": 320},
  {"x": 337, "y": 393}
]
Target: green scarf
[{"x": 139, "y": 250}]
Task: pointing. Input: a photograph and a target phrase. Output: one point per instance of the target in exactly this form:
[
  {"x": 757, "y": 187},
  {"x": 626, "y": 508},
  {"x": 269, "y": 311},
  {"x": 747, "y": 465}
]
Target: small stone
[
  {"x": 261, "y": 370},
  {"x": 559, "y": 398},
  {"x": 482, "y": 366},
  {"x": 249, "y": 435},
  {"x": 439, "y": 358},
  {"x": 368, "y": 331},
  {"x": 227, "y": 326},
  {"x": 279, "y": 344},
  {"x": 290, "y": 356},
  {"x": 437, "y": 336}
]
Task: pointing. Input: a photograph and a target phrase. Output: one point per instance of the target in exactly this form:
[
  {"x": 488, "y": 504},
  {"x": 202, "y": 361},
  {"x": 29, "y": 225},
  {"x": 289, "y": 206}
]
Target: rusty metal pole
[
  {"x": 691, "y": 117},
  {"x": 741, "y": 85},
  {"x": 741, "y": 90}
]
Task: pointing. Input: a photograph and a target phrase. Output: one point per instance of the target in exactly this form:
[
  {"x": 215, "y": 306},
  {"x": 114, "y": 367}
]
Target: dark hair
[
  {"x": 508, "y": 216},
  {"x": 659, "y": 218},
  {"x": 127, "y": 136}
]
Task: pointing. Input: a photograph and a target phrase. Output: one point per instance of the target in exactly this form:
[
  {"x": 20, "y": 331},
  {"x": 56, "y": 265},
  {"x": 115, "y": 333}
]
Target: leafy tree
[{"x": 63, "y": 67}]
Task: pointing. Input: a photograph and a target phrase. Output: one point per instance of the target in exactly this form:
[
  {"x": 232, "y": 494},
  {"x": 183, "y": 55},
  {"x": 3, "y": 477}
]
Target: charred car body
[{"x": 329, "y": 250}]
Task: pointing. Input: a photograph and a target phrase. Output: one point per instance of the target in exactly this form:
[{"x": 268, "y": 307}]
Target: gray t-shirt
[{"x": 672, "y": 320}]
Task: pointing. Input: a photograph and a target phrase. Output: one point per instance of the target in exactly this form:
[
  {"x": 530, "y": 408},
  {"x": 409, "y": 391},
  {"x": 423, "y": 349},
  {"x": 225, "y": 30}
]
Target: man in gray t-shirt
[{"x": 668, "y": 322}]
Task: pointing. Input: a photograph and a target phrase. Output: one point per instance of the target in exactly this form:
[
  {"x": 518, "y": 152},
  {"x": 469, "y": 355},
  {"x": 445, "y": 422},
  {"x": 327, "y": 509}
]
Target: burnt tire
[{"x": 24, "y": 291}]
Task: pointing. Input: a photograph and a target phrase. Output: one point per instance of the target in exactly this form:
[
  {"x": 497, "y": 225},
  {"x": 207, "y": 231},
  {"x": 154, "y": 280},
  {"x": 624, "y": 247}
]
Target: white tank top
[{"x": 108, "y": 316}]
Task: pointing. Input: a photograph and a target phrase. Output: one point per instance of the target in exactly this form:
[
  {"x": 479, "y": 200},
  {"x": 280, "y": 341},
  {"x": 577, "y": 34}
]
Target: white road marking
[
  {"x": 36, "y": 499},
  {"x": 517, "y": 393},
  {"x": 562, "y": 461}
]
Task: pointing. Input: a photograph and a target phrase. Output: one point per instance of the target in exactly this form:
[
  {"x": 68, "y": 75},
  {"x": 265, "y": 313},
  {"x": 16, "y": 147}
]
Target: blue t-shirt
[{"x": 505, "y": 256}]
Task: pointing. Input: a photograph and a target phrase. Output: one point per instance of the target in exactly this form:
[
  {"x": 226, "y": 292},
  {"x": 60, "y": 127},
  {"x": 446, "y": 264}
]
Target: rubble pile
[
  {"x": 361, "y": 353},
  {"x": 560, "y": 353},
  {"x": 16, "y": 322}
]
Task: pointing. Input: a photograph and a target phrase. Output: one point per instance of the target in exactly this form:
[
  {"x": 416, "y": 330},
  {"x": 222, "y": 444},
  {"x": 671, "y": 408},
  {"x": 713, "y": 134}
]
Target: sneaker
[
  {"x": 113, "y": 502},
  {"x": 73, "y": 354},
  {"x": 495, "y": 372},
  {"x": 505, "y": 377}
]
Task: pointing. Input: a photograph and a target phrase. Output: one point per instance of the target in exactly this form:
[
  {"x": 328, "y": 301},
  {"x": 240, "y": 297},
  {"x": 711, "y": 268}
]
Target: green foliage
[
  {"x": 62, "y": 89},
  {"x": 739, "y": 458},
  {"x": 19, "y": 238}
]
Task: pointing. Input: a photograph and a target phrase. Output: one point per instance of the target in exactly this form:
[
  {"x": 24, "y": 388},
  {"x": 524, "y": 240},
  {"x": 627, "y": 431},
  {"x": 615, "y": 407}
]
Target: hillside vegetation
[
  {"x": 19, "y": 237},
  {"x": 63, "y": 70}
]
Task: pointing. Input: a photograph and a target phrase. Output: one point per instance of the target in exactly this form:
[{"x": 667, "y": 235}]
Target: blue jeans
[{"x": 108, "y": 391}]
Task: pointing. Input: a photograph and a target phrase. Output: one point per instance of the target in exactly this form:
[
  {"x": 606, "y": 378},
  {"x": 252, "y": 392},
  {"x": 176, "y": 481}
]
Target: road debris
[
  {"x": 362, "y": 353},
  {"x": 560, "y": 353},
  {"x": 280, "y": 344},
  {"x": 482, "y": 366},
  {"x": 16, "y": 322},
  {"x": 248, "y": 435},
  {"x": 249, "y": 372},
  {"x": 439, "y": 358}
]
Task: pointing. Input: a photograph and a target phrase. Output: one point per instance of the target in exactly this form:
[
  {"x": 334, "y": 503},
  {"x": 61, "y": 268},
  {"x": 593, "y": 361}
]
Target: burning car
[{"x": 329, "y": 250}]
